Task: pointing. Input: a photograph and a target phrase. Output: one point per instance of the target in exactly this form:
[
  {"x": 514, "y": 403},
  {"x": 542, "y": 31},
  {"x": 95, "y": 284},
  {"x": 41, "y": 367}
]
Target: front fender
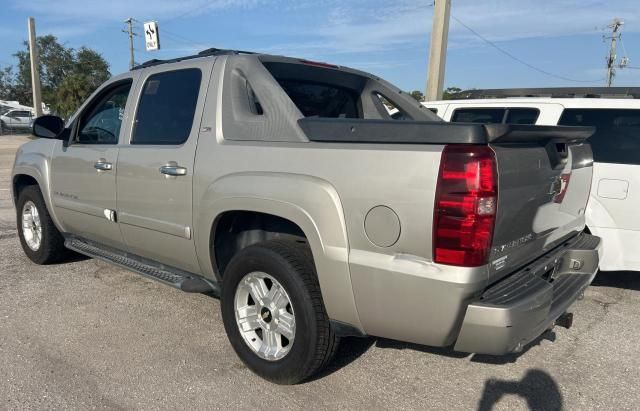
[
  {"x": 33, "y": 159},
  {"x": 311, "y": 203}
]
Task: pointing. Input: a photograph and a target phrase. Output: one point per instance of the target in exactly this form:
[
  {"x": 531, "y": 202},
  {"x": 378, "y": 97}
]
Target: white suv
[{"x": 612, "y": 212}]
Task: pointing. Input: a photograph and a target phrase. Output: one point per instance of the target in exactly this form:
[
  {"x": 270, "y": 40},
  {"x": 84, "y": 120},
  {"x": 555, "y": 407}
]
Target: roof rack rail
[
  {"x": 553, "y": 92},
  {"x": 204, "y": 53}
]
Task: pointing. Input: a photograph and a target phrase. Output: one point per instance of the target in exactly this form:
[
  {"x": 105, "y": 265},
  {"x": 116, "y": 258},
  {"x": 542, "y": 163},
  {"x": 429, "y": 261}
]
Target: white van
[{"x": 613, "y": 212}]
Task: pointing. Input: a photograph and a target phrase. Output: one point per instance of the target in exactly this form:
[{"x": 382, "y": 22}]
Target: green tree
[
  {"x": 67, "y": 76},
  {"x": 6, "y": 83},
  {"x": 417, "y": 94},
  {"x": 451, "y": 93}
]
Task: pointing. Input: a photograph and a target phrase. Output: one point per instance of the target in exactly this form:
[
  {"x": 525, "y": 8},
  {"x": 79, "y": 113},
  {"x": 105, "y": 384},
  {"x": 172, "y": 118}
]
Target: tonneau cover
[{"x": 433, "y": 132}]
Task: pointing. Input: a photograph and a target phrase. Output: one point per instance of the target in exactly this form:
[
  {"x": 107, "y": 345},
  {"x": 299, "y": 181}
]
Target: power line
[
  {"x": 201, "y": 5},
  {"x": 531, "y": 66},
  {"x": 181, "y": 38}
]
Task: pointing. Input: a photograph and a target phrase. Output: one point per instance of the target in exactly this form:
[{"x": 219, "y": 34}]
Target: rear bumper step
[
  {"x": 516, "y": 310},
  {"x": 174, "y": 277}
]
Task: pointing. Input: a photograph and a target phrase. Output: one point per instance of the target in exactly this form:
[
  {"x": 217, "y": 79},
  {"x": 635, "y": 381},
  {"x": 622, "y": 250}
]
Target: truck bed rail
[{"x": 340, "y": 130}]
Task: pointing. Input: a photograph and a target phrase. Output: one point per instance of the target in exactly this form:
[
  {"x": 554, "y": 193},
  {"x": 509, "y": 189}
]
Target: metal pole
[
  {"x": 130, "y": 32},
  {"x": 35, "y": 68},
  {"x": 438, "y": 51},
  {"x": 611, "y": 58}
]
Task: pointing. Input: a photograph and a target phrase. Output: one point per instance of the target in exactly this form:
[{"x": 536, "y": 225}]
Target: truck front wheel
[
  {"x": 39, "y": 237},
  {"x": 274, "y": 314}
]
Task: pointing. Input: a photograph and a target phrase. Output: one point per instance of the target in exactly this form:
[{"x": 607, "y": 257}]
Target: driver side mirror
[{"x": 48, "y": 127}]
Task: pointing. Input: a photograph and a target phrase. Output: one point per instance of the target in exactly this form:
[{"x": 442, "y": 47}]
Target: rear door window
[
  {"x": 167, "y": 107},
  {"x": 478, "y": 115},
  {"x": 617, "y": 136}
]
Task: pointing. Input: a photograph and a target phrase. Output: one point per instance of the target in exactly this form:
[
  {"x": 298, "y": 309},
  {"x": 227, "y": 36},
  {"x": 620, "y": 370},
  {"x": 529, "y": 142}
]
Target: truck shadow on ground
[
  {"x": 479, "y": 358},
  {"x": 352, "y": 348},
  {"x": 537, "y": 388},
  {"x": 629, "y": 280}
]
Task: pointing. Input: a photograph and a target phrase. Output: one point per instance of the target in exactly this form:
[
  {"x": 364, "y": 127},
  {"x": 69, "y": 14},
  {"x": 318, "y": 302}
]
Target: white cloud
[
  {"x": 363, "y": 27},
  {"x": 117, "y": 10},
  {"x": 360, "y": 26}
]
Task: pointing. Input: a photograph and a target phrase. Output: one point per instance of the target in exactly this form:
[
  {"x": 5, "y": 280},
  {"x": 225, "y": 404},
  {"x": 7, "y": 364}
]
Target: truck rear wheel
[
  {"x": 273, "y": 312},
  {"x": 39, "y": 237}
]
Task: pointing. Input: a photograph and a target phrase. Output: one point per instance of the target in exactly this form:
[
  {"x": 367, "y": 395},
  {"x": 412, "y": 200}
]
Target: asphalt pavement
[{"x": 85, "y": 334}]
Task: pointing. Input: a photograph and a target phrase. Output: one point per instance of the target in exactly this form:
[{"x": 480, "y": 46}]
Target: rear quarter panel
[{"x": 327, "y": 189}]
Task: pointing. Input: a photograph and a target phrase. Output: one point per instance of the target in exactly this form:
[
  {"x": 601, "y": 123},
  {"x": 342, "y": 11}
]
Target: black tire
[
  {"x": 315, "y": 343},
  {"x": 52, "y": 247}
]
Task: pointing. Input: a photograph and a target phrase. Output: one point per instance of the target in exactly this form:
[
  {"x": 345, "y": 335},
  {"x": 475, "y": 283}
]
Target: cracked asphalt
[{"x": 87, "y": 335}]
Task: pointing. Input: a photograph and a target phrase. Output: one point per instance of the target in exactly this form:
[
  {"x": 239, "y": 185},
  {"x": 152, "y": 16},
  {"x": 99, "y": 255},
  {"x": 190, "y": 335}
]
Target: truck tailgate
[{"x": 544, "y": 182}]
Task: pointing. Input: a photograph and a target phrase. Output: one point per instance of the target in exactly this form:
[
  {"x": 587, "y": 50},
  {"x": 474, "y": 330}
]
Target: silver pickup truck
[{"x": 284, "y": 187}]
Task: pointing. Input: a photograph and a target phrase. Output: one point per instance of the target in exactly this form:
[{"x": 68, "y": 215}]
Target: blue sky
[{"x": 388, "y": 38}]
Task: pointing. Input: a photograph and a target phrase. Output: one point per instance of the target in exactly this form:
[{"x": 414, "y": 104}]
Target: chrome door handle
[
  {"x": 103, "y": 165},
  {"x": 173, "y": 170}
]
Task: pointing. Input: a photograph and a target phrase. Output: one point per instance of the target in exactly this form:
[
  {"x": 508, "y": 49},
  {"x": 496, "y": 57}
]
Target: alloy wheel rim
[
  {"x": 31, "y": 226},
  {"x": 264, "y": 315}
]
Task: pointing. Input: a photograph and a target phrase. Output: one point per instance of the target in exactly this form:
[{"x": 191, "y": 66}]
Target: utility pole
[
  {"x": 130, "y": 32},
  {"x": 438, "y": 51},
  {"x": 35, "y": 68},
  {"x": 615, "y": 26}
]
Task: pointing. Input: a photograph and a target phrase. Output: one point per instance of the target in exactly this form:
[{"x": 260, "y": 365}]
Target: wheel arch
[
  {"x": 311, "y": 212},
  {"x": 23, "y": 178},
  {"x": 33, "y": 163},
  {"x": 19, "y": 182}
]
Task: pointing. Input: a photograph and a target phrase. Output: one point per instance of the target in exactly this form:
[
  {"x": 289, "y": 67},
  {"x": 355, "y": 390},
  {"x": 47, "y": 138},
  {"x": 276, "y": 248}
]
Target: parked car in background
[
  {"x": 285, "y": 187},
  {"x": 615, "y": 112},
  {"x": 16, "y": 120}
]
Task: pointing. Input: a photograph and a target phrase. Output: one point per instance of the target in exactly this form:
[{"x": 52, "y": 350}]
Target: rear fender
[{"x": 311, "y": 203}]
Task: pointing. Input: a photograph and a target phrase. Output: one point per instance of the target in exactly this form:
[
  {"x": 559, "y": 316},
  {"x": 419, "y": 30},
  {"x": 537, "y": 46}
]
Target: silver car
[{"x": 16, "y": 120}]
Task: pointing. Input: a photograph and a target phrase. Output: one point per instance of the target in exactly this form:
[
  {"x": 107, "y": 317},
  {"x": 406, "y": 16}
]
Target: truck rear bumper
[{"x": 516, "y": 310}]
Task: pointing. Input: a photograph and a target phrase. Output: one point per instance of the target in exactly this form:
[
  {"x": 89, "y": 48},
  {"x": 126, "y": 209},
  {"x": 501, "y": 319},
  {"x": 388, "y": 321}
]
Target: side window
[
  {"x": 101, "y": 122},
  {"x": 395, "y": 112},
  {"x": 167, "y": 107},
  {"x": 617, "y": 136},
  {"x": 478, "y": 115},
  {"x": 522, "y": 115}
]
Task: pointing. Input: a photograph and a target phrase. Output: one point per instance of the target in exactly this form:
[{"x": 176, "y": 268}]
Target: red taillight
[{"x": 465, "y": 207}]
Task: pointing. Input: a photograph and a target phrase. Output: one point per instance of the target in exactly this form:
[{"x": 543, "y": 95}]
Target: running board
[{"x": 182, "y": 280}]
